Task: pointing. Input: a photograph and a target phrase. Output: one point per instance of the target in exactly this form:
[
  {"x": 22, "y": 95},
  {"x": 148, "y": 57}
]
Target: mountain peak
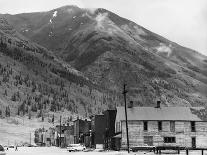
[{"x": 66, "y": 7}]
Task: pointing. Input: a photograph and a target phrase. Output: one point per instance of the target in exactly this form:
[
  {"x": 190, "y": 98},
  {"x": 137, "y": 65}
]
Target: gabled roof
[{"x": 151, "y": 113}]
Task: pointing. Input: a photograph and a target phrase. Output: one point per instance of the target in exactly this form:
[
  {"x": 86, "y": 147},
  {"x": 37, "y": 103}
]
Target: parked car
[
  {"x": 2, "y": 151},
  {"x": 143, "y": 147},
  {"x": 11, "y": 146},
  {"x": 76, "y": 147}
]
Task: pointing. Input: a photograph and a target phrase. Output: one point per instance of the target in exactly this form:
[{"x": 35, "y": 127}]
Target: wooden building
[
  {"x": 59, "y": 135},
  {"x": 66, "y": 137},
  {"x": 82, "y": 130},
  {"x": 161, "y": 126},
  {"x": 69, "y": 135}
]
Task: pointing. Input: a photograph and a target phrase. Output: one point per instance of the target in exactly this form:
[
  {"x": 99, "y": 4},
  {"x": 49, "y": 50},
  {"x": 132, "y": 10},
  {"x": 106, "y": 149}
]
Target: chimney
[
  {"x": 130, "y": 104},
  {"x": 158, "y": 104}
]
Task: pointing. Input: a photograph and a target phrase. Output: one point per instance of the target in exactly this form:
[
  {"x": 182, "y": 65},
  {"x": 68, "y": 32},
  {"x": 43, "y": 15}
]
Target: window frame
[
  {"x": 118, "y": 126},
  {"x": 193, "y": 126},
  {"x": 145, "y": 125},
  {"x": 159, "y": 123},
  {"x": 172, "y": 126},
  {"x": 169, "y": 139}
]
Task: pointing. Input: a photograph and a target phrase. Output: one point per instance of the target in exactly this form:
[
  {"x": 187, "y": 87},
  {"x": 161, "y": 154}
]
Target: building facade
[
  {"x": 98, "y": 126},
  {"x": 161, "y": 126},
  {"x": 82, "y": 130},
  {"x": 110, "y": 116}
]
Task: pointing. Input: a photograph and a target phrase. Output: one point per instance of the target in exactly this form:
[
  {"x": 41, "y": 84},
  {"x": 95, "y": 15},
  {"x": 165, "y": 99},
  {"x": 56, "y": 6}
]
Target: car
[
  {"x": 143, "y": 147},
  {"x": 11, "y": 146},
  {"x": 76, "y": 147},
  {"x": 2, "y": 151}
]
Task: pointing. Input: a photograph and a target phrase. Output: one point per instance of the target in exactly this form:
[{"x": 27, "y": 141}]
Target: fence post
[
  {"x": 202, "y": 152},
  {"x": 187, "y": 152},
  {"x": 159, "y": 151}
]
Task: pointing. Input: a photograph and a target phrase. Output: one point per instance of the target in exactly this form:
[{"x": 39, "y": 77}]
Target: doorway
[
  {"x": 148, "y": 140},
  {"x": 193, "y": 142}
]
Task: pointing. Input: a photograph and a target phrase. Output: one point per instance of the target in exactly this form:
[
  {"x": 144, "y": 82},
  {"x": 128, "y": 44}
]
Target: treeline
[{"x": 46, "y": 89}]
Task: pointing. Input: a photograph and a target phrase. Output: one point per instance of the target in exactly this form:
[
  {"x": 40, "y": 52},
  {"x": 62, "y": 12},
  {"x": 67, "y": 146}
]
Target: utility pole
[
  {"x": 60, "y": 132},
  {"x": 124, "y": 93}
]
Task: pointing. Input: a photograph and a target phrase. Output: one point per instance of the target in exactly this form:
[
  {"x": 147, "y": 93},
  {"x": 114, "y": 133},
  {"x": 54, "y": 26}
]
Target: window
[
  {"x": 193, "y": 128},
  {"x": 48, "y": 139},
  {"x": 159, "y": 126},
  {"x": 193, "y": 142},
  {"x": 172, "y": 126},
  {"x": 148, "y": 140},
  {"x": 169, "y": 139},
  {"x": 145, "y": 125},
  {"x": 118, "y": 127}
]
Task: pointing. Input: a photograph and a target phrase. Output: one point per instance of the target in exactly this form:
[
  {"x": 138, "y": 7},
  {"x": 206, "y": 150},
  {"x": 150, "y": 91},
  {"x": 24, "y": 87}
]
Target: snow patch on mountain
[
  {"x": 100, "y": 19},
  {"x": 70, "y": 10},
  {"x": 50, "y": 34},
  {"x": 53, "y": 16},
  {"x": 26, "y": 30},
  {"x": 91, "y": 10},
  {"x": 164, "y": 49}
]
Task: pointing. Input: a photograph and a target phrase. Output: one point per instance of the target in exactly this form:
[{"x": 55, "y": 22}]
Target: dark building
[
  {"x": 82, "y": 130},
  {"x": 59, "y": 136},
  {"x": 66, "y": 137},
  {"x": 98, "y": 126},
  {"x": 110, "y": 117}
]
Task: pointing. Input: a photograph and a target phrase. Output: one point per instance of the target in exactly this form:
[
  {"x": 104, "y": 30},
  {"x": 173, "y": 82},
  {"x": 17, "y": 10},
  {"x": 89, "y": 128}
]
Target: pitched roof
[{"x": 163, "y": 113}]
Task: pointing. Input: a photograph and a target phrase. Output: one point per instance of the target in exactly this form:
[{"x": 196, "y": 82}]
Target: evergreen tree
[
  {"x": 29, "y": 115},
  {"x": 7, "y": 112},
  {"x": 5, "y": 92},
  {"x": 53, "y": 118}
]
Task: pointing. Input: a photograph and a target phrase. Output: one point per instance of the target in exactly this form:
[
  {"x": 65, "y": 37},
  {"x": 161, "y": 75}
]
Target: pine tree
[
  {"x": 53, "y": 118},
  {"x": 8, "y": 111},
  {"x": 5, "y": 92},
  {"x": 0, "y": 113},
  {"x": 42, "y": 118},
  {"x": 18, "y": 111},
  {"x": 29, "y": 115}
]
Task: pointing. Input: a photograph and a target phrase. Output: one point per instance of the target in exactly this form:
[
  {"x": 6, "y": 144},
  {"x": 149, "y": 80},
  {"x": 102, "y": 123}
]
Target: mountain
[
  {"x": 108, "y": 50},
  {"x": 33, "y": 81}
]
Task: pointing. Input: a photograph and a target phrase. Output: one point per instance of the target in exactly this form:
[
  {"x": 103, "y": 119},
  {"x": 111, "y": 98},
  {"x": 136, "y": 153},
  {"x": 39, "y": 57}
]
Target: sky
[{"x": 181, "y": 21}]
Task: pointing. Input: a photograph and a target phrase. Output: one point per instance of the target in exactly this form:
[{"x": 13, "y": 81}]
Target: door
[
  {"x": 193, "y": 142},
  {"x": 148, "y": 140}
]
